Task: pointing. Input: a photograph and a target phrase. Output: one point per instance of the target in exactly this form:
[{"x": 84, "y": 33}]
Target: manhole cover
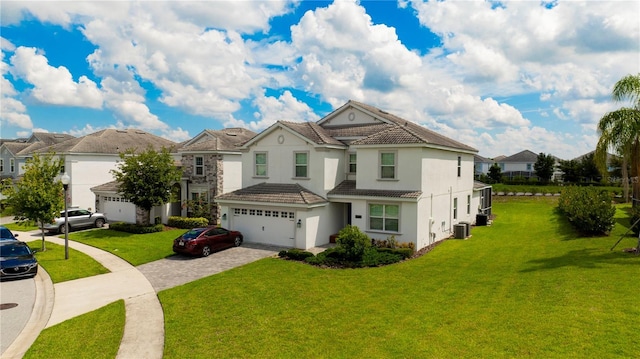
[{"x": 4, "y": 306}]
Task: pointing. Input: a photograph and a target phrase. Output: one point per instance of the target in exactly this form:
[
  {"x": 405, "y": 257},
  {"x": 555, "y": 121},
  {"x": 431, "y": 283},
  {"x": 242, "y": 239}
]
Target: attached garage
[
  {"x": 117, "y": 209},
  {"x": 265, "y": 225}
]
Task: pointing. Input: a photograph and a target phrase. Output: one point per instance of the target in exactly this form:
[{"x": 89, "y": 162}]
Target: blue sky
[{"x": 499, "y": 76}]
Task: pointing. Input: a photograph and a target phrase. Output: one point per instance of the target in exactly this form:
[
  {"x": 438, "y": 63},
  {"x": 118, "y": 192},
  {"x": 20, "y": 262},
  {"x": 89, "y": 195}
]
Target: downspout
[
  {"x": 431, "y": 234},
  {"x": 450, "y": 209}
]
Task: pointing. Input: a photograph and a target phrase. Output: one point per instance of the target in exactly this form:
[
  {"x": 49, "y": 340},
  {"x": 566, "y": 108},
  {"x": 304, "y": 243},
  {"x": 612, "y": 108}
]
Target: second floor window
[
  {"x": 260, "y": 164},
  {"x": 387, "y": 165},
  {"x": 459, "y": 166},
  {"x": 352, "y": 162},
  {"x": 199, "y": 166},
  {"x": 12, "y": 165},
  {"x": 1, "y": 165},
  {"x": 455, "y": 208},
  {"x": 302, "y": 163}
]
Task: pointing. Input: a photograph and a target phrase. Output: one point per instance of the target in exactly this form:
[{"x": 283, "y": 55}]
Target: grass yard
[
  {"x": 79, "y": 265},
  {"x": 26, "y": 226},
  {"x": 525, "y": 287},
  {"x": 94, "y": 335},
  {"x": 136, "y": 249}
]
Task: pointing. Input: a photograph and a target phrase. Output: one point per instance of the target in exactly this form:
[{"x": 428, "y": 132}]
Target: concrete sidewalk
[{"x": 144, "y": 315}]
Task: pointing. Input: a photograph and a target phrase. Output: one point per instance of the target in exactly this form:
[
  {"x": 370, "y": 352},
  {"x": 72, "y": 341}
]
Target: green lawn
[
  {"x": 526, "y": 286},
  {"x": 136, "y": 249},
  {"x": 93, "y": 335},
  {"x": 79, "y": 265},
  {"x": 26, "y": 226}
]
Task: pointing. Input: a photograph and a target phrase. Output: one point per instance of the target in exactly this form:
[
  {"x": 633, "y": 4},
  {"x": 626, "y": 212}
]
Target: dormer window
[{"x": 199, "y": 166}]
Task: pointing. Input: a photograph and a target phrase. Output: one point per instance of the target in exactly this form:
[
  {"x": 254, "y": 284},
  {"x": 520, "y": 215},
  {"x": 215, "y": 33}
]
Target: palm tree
[{"x": 620, "y": 130}]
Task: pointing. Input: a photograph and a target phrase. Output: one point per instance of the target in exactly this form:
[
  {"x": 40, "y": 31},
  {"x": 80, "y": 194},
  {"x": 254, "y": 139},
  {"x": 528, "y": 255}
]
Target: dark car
[
  {"x": 78, "y": 218},
  {"x": 204, "y": 241},
  {"x": 5, "y": 234},
  {"x": 17, "y": 260}
]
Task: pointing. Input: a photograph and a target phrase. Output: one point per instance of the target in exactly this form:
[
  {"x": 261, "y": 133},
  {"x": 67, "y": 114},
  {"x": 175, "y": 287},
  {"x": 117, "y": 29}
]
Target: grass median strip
[{"x": 79, "y": 265}]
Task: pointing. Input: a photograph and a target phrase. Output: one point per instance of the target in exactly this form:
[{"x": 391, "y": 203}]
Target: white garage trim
[{"x": 266, "y": 225}]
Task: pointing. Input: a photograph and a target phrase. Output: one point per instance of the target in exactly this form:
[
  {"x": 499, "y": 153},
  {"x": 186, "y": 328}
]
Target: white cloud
[
  {"x": 284, "y": 108},
  {"x": 12, "y": 111},
  {"x": 53, "y": 85}
]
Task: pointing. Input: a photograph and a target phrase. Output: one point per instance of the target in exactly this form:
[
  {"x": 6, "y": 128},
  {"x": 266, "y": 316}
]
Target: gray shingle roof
[
  {"x": 227, "y": 139},
  {"x": 413, "y": 132},
  {"x": 112, "y": 141},
  {"x": 106, "y": 187},
  {"x": 313, "y": 132},
  {"x": 522, "y": 156},
  {"x": 285, "y": 193},
  {"x": 348, "y": 188}
]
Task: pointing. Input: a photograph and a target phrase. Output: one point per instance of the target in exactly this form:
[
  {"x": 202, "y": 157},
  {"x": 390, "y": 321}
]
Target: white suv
[{"x": 78, "y": 218}]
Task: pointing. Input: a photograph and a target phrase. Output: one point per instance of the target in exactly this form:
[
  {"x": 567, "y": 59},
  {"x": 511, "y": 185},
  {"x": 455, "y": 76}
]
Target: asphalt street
[{"x": 16, "y": 303}]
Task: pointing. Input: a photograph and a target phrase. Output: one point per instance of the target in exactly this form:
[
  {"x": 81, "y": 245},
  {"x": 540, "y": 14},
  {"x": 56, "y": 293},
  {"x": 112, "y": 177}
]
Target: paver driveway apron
[{"x": 180, "y": 269}]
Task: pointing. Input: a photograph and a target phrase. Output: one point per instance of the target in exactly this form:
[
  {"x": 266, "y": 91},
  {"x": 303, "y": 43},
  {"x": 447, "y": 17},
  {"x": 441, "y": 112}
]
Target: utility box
[
  {"x": 459, "y": 231},
  {"x": 481, "y": 219},
  {"x": 468, "y": 228}
]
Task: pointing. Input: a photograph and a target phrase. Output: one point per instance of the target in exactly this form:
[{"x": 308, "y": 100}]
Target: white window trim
[
  {"x": 349, "y": 163},
  {"x": 1, "y": 164},
  {"x": 468, "y": 204},
  {"x": 295, "y": 165},
  {"x": 196, "y": 166},
  {"x": 455, "y": 208},
  {"x": 12, "y": 165},
  {"x": 395, "y": 166},
  {"x": 459, "y": 166},
  {"x": 369, "y": 229},
  {"x": 266, "y": 164}
]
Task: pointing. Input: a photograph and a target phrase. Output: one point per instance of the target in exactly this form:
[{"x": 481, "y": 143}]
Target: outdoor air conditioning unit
[{"x": 459, "y": 231}]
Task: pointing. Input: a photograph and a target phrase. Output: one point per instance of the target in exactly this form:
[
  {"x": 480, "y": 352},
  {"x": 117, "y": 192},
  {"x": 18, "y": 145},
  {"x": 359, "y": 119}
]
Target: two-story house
[
  {"x": 361, "y": 166},
  {"x": 13, "y": 154},
  {"x": 212, "y": 165}
]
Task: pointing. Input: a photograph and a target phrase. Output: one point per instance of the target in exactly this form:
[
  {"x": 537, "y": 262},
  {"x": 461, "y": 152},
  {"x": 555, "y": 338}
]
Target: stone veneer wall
[{"x": 213, "y": 171}]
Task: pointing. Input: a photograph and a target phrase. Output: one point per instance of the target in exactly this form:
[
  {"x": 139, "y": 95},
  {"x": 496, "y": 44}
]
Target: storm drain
[{"x": 4, "y": 306}]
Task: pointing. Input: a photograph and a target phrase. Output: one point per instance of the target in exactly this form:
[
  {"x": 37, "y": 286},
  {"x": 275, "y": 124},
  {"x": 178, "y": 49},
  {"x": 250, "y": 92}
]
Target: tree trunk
[
  {"x": 635, "y": 173},
  {"x": 625, "y": 180},
  {"x": 143, "y": 216},
  {"x": 42, "y": 233}
]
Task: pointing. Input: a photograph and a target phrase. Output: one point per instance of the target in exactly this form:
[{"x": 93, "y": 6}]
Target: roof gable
[
  {"x": 522, "y": 156},
  {"x": 112, "y": 141},
  {"x": 228, "y": 139},
  {"x": 308, "y": 132}
]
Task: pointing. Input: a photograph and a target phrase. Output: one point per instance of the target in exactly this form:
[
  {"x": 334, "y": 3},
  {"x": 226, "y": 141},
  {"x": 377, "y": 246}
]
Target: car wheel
[
  {"x": 237, "y": 241},
  {"x": 99, "y": 223},
  {"x": 63, "y": 229},
  {"x": 206, "y": 250}
]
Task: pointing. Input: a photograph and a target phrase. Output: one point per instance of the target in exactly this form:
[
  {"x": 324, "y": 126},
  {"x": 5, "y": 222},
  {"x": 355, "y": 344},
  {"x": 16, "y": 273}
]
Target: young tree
[
  {"x": 544, "y": 166},
  {"x": 38, "y": 194},
  {"x": 570, "y": 170},
  {"x": 146, "y": 179},
  {"x": 495, "y": 173},
  {"x": 620, "y": 131}
]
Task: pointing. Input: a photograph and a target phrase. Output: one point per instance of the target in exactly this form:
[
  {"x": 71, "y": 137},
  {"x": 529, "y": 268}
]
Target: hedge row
[
  {"x": 134, "y": 228},
  {"x": 588, "y": 209},
  {"x": 187, "y": 223}
]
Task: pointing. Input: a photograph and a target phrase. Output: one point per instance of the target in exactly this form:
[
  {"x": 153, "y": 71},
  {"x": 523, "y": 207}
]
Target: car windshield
[
  {"x": 14, "y": 251},
  {"x": 192, "y": 233},
  {"x": 5, "y": 233}
]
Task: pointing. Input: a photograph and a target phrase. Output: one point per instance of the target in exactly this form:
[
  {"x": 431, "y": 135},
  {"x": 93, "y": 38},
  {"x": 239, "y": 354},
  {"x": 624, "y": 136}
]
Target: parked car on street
[
  {"x": 204, "y": 241},
  {"x": 78, "y": 218},
  {"x": 5, "y": 234},
  {"x": 17, "y": 260}
]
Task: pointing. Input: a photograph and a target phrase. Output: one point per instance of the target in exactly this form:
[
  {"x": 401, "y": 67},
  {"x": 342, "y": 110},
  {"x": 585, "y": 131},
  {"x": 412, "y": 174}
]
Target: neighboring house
[
  {"x": 522, "y": 164},
  {"x": 481, "y": 165},
  {"x": 212, "y": 165},
  {"x": 88, "y": 160},
  {"x": 361, "y": 166},
  {"x": 13, "y": 154}
]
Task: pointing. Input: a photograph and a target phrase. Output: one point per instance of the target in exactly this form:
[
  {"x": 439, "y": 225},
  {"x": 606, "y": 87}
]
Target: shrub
[
  {"x": 588, "y": 209},
  {"x": 374, "y": 257},
  {"x": 134, "y": 228},
  {"x": 295, "y": 254},
  {"x": 187, "y": 223},
  {"x": 402, "y": 252},
  {"x": 353, "y": 241}
]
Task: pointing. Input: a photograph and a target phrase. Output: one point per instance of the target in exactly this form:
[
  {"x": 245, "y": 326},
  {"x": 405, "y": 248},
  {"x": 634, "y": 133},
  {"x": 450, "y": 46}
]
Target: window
[
  {"x": 200, "y": 196},
  {"x": 1, "y": 165},
  {"x": 301, "y": 159},
  {"x": 199, "y": 166},
  {"x": 12, "y": 165},
  {"x": 261, "y": 164},
  {"x": 267, "y": 213},
  {"x": 387, "y": 165},
  {"x": 455, "y": 208},
  {"x": 384, "y": 217},
  {"x": 468, "y": 204},
  {"x": 244, "y": 211},
  {"x": 275, "y": 214},
  {"x": 459, "y": 166},
  {"x": 352, "y": 162},
  {"x": 528, "y": 166},
  {"x": 252, "y": 212},
  {"x": 236, "y": 211}
]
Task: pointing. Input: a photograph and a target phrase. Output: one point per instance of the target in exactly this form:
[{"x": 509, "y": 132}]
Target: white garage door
[
  {"x": 118, "y": 211},
  {"x": 267, "y": 226}
]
